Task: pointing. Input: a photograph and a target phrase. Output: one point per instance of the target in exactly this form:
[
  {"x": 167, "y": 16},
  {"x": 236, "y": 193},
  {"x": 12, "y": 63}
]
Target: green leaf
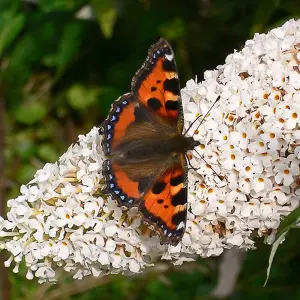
[
  {"x": 274, "y": 248},
  {"x": 106, "y": 15},
  {"x": 286, "y": 225},
  {"x": 69, "y": 45},
  {"x": 39, "y": 40},
  {"x": 9, "y": 5},
  {"x": 289, "y": 221},
  {"x": 10, "y": 27},
  {"x": 30, "y": 113},
  {"x": 80, "y": 97},
  {"x": 60, "y": 5}
]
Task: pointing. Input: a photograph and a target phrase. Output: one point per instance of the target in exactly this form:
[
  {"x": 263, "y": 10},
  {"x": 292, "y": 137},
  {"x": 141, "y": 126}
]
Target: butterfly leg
[
  {"x": 219, "y": 176},
  {"x": 191, "y": 167}
]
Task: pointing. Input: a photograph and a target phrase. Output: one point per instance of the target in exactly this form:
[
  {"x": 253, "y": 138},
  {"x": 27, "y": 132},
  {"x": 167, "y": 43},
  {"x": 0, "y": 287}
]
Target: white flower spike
[{"x": 251, "y": 138}]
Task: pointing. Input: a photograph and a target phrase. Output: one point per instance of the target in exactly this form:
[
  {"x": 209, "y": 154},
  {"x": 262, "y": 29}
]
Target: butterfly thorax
[
  {"x": 141, "y": 150},
  {"x": 178, "y": 144}
]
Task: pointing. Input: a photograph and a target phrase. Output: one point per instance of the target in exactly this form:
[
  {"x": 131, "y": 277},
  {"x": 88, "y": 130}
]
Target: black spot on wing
[
  {"x": 172, "y": 105},
  {"x": 180, "y": 198},
  {"x": 160, "y": 201},
  {"x": 179, "y": 217},
  {"x": 172, "y": 85},
  {"x": 153, "y": 89},
  {"x": 169, "y": 66},
  {"x": 177, "y": 180},
  {"x": 154, "y": 103},
  {"x": 158, "y": 187}
]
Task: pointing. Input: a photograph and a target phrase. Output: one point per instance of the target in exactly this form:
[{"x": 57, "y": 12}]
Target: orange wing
[
  {"x": 156, "y": 84},
  {"x": 119, "y": 182},
  {"x": 165, "y": 204},
  {"x": 114, "y": 127},
  {"x": 160, "y": 195}
]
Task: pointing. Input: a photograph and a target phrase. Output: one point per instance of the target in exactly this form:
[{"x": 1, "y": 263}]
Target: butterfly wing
[
  {"x": 120, "y": 117},
  {"x": 155, "y": 95},
  {"x": 119, "y": 182},
  {"x": 165, "y": 203},
  {"x": 156, "y": 84},
  {"x": 127, "y": 179}
]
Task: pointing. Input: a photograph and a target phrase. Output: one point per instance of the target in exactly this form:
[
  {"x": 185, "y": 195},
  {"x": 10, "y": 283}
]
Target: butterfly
[{"x": 145, "y": 148}]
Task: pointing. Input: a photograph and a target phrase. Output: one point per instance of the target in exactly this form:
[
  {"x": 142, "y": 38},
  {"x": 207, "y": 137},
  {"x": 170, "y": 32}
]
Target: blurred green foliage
[{"x": 63, "y": 62}]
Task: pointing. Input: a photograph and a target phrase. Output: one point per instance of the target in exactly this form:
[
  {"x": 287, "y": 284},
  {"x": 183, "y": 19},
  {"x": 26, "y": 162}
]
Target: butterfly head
[{"x": 190, "y": 143}]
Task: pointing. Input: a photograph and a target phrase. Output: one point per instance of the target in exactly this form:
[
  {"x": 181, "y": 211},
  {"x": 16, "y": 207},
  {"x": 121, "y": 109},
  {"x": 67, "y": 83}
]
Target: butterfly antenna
[
  {"x": 201, "y": 156},
  {"x": 203, "y": 117}
]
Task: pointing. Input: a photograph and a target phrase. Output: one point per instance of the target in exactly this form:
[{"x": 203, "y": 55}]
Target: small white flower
[
  {"x": 278, "y": 196},
  {"x": 285, "y": 169},
  {"x": 248, "y": 169},
  {"x": 260, "y": 183},
  {"x": 221, "y": 135}
]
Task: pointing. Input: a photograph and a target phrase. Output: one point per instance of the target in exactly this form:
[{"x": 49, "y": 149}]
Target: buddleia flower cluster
[{"x": 245, "y": 177}]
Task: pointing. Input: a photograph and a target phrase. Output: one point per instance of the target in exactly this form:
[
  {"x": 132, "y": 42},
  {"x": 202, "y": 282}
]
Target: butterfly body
[
  {"x": 145, "y": 147},
  {"x": 159, "y": 144}
]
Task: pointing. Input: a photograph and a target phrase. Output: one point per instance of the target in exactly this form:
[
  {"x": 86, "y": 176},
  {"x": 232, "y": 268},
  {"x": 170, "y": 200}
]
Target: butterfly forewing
[
  {"x": 156, "y": 84},
  {"x": 119, "y": 118}
]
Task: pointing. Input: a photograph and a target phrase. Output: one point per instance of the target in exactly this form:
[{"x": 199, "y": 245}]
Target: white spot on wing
[
  {"x": 181, "y": 225},
  {"x": 169, "y": 57}
]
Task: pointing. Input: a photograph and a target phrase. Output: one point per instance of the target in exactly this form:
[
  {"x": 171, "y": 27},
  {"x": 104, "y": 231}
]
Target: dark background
[{"x": 59, "y": 75}]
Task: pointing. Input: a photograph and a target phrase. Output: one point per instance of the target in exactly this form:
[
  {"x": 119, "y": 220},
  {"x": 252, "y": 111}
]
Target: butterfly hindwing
[
  {"x": 165, "y": 203},
  {"x": 156, "y": 84}
]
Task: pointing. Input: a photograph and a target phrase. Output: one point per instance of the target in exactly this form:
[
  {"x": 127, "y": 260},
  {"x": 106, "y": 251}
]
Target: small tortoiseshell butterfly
[{"x": 146, "y": 164}]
